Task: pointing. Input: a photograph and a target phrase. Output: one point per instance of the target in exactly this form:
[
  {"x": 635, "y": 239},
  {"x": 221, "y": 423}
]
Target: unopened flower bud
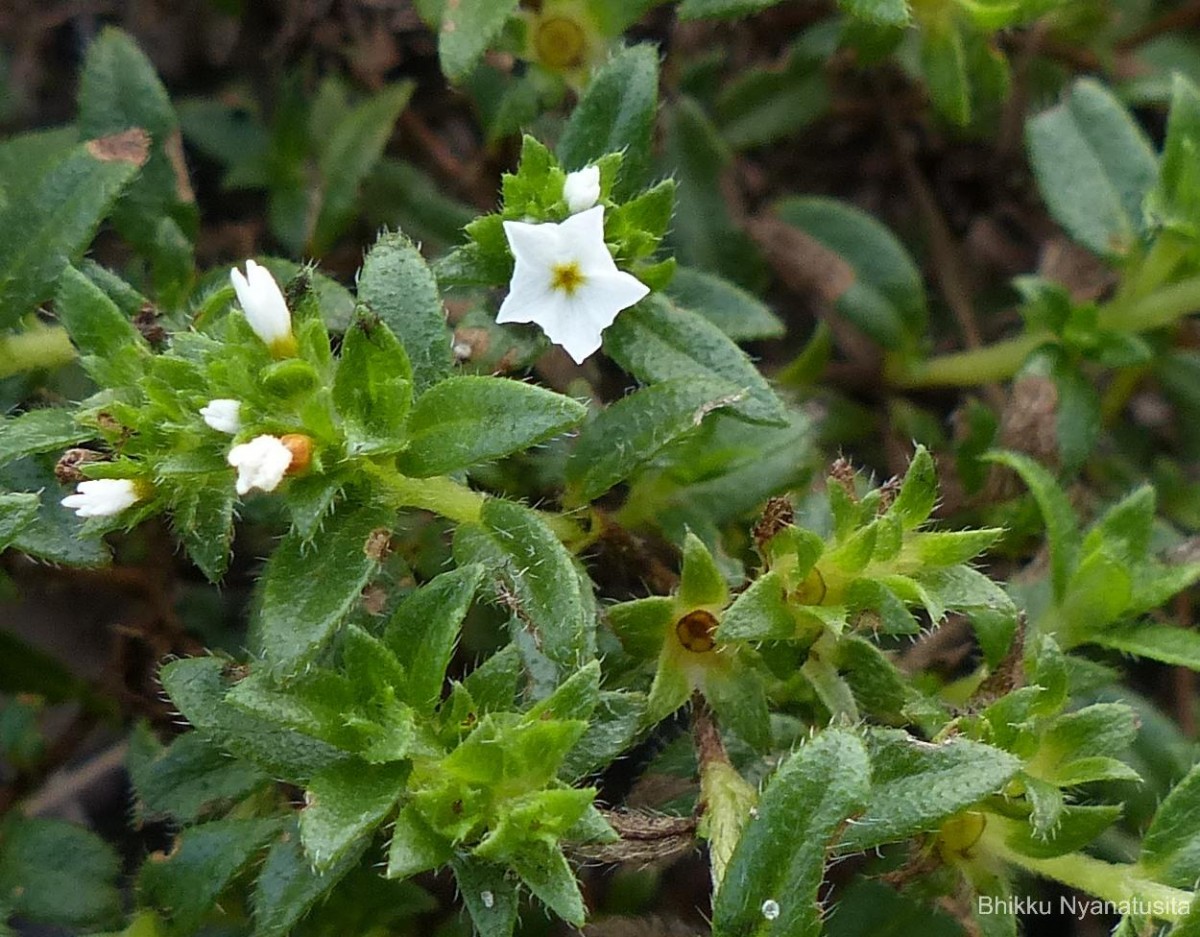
[
  {"x": 265, "y": 308},
  {"x": 103, "y": 497},
  {"x": 582, "y": 189},
  {"x": 225, "y": 416}
]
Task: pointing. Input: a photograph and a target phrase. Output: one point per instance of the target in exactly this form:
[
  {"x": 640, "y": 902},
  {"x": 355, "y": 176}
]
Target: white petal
[
  {"x": 225, "y": 416},
  {"x": 612, "y": 291},
  {"x": 537, "y": 245},
  {"x": 591, "y": 310},
  {"x": 584, "y": 233},
  {"x": 102, "y": 497},
  {"x": 263, "y": 303},
  {"x": 261, "y": 463},
  {"x": 529, "y": 293},
  {"x": 581, "y": 190},
  {"x": 576, "y": 330}
]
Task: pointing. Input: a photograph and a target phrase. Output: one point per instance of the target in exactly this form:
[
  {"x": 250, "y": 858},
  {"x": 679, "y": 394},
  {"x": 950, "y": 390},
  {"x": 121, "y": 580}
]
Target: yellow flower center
[
  {"x": 559, "y": 42},
  {"x": 567, "y": 277}
]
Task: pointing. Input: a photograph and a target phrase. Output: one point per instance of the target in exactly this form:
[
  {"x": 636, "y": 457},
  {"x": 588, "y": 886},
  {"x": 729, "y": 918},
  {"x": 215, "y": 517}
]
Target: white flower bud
[
  {"x": 582, "y": 189},
  {"x": 265, "y": 308},
  {"x": 225, "y": 416},
  {"x": 261, "y": 463},
  {"x": 102, "y": 497}
]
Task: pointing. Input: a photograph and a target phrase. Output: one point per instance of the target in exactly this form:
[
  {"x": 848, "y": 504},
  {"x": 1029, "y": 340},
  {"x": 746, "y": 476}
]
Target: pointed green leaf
[
  {"x": 656, "y": 341},
  {"x": 915, "y": 786},
  {"x": 463, "y": 421},
  {"x": 468, "y": 28},
  {"x": 544, "y": 869},
  {"x": 879, "y": 287},
  {"x": 189, "y": 777},
  {"x": 1171, "y": 846},
  {"x": 424, "y": 630},
  {"x": 397, "y": 285},
  {"x": 197, "y": 688},
  {"x": 354, "y": 145},
  {"x": 1171, "y": 645},
  {"x": 490, "y": 897},
  {"x": 629, "y": 433},
  {"x": 737, "y": 313},
  {"x": 1094, "y": 166},
  {"x": 301, "y": 606},
  {"x": 1175, "y": 200},
  {"x": 344, "y": 804},
  {"x": 119, "y": 90},
  {"x": 415, "y": 847},
  {"x": 17, "y": 511},
  {"x": 373, "y": 388},
  {"x": 760, "y": 613},
  {"x": 1062, "y": 527},
  {"x": 186, "y": 883},
  {"x": 45, "y": 430},
  {"x": 54, "y": 872},
  {"x": 771, "y": 882},
  {"x": 616, "y": 113},
  {"x": 49, "y": 226},
  {"x": 288, "y": 886},
  {"x": 700, "y": 582},
  {"x": 539, "y": 574}
]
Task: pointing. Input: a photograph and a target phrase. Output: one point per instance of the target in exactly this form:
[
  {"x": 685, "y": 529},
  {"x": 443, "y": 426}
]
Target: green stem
[
  {"x": 1159, "y": 309},
  {"x": 1164, "y": 256},
  {"x": 446, "y": 497},
  {"x": 965, "y": 368},
  {"x": 1108, "y": 882},
  {"x": 40, "y": 348},
  {"x": 1001, "y": 360},
  {"x": 438, "y": 494}
]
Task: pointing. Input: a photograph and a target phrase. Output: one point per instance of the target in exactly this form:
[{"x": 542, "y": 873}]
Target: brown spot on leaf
[
  {"x": 173, "y": 148},
  {"x": 128, "y": 146}
]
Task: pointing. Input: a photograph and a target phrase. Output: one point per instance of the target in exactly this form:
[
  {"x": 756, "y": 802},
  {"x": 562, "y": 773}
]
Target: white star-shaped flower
[
  {"x": 102, "y": 497},
  {"x": 225, "y": 416},
  {"x": 581, "y": 190},
  {"x": 261, "y": 463},
  {"x": 566, "y": 282},
  {"x": 265, "y": 308}
]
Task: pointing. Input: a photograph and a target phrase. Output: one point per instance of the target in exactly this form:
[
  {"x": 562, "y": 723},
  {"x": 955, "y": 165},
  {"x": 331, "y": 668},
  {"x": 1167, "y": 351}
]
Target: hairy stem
[
  {"x": 1104, "y": 880},
  {"x": 440, "y": 495}
]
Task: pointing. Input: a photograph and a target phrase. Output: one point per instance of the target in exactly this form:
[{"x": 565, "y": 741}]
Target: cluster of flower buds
[
  {"x": 264, "y": 461},
  {"x": 564, "y": 280}
]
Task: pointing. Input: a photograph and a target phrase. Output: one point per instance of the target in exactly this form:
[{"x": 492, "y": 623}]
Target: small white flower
[
  {"x": 582, "y": 189},
  {"x": 225, "y": 416},
  {"x": 102, "y": 497},
  {"x": 565, "y": 280},
  {"x": 770, "y": 909},
  {"x": 261, "y": 463},
  {"x": 263, "y": 303}
]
